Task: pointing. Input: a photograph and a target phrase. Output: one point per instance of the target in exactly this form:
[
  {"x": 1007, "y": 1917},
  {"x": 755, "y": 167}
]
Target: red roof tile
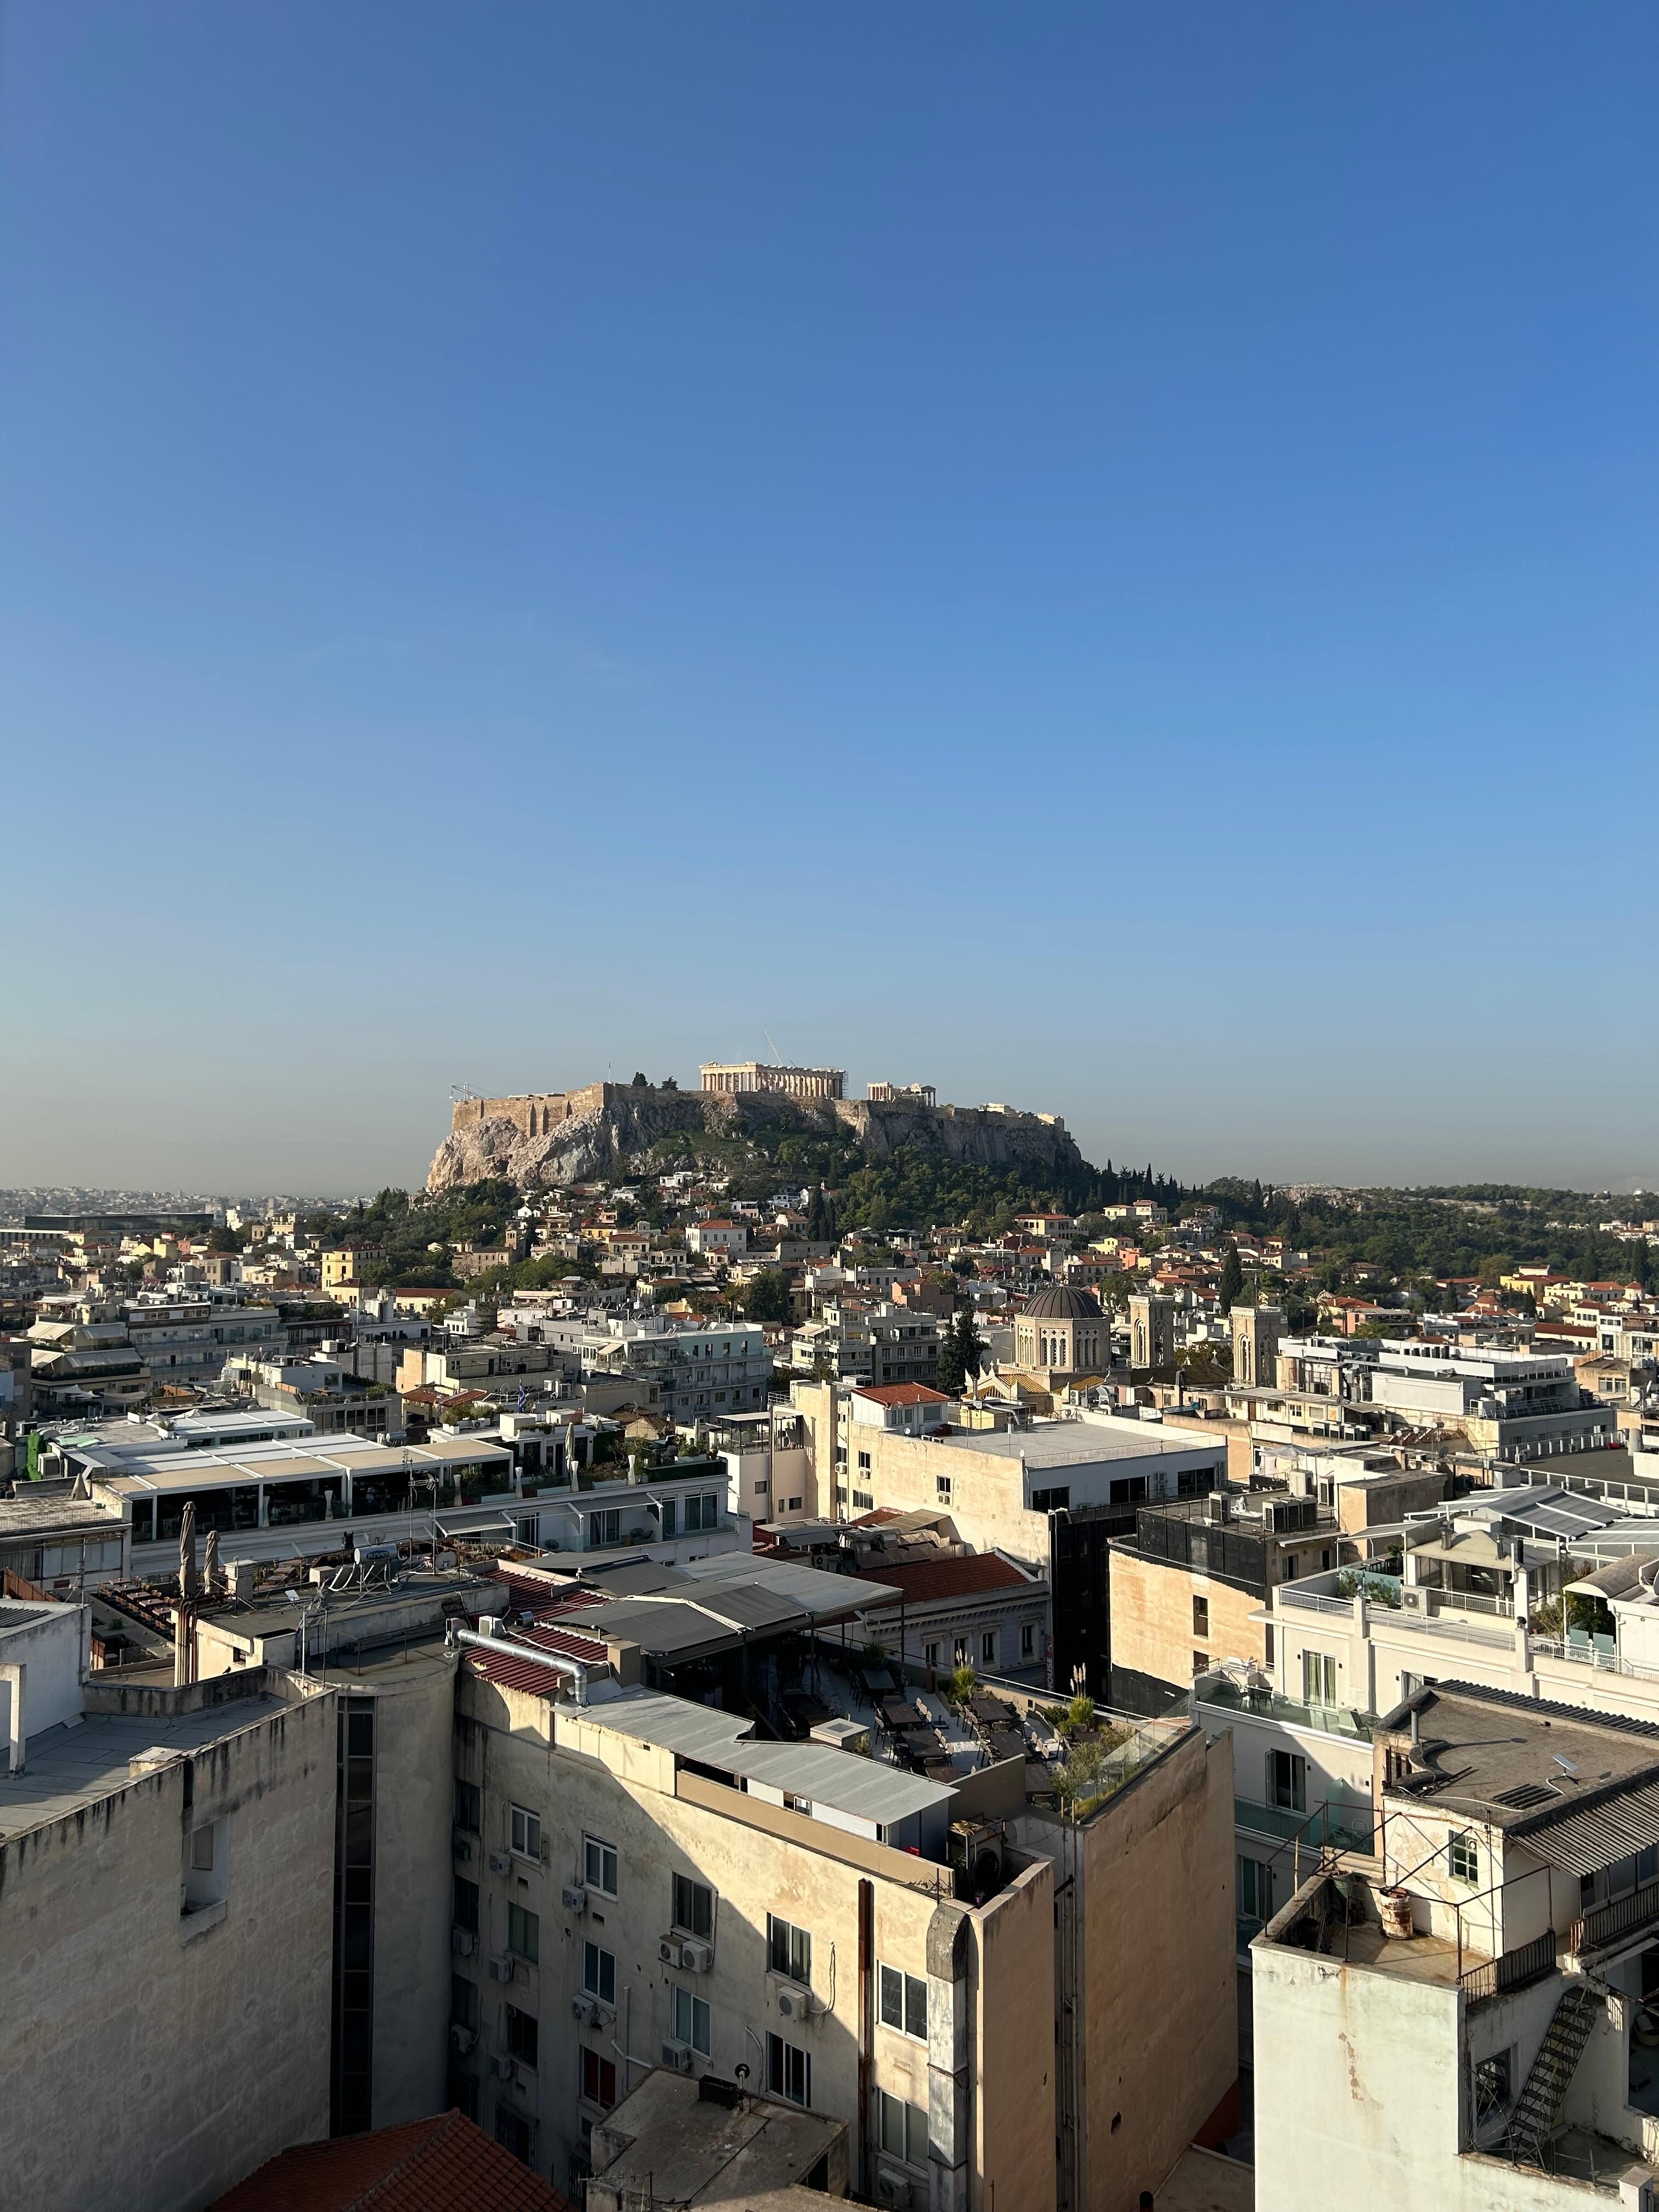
[
  {"x": 442, "y": 2165},
  {"x": 919, "y": 1580}
]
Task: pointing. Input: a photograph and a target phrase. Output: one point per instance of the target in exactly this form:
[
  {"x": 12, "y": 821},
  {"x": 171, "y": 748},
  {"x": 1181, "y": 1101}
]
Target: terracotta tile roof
[
  {"x": 919, "y": 1580},
  {"x": 442, "y": 2165},
  {"x": 903, "y": 1393}
]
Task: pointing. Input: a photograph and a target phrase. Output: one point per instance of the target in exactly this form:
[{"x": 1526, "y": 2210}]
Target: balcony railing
[
  {"x": 1429, "y": 1597},
  {"x": 1604, "y": 1924},
  {"x": 1495, "y": 1977},
  {"x": 1589, "y": 1655},
  {"x": 1345, "y": 1827},
  {"x": 1312, "y": 1601},
  {"x": 1453, "y": 1624}
]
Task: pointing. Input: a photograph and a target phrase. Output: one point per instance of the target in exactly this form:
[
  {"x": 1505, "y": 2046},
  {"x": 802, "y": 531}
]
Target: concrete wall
[
  {"x": 1153, "y": 1631},
  {"x": 1159, "y": 1948},
  {"x": 1013, "y": 1988},
  {"x": 144, "y": 2072},
  {"x": 54, "y": 1645},
  {"x": 414, "y": 1794},
  {"x": 1358, "y": 2080}
]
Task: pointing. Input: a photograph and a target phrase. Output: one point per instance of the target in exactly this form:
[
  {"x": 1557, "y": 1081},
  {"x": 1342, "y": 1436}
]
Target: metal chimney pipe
[{"x": 455, "y": 1636}]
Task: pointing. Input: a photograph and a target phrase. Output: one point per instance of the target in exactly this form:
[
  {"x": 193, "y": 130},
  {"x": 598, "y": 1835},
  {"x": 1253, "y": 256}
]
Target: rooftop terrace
[{"x": 71, "y": 1767}]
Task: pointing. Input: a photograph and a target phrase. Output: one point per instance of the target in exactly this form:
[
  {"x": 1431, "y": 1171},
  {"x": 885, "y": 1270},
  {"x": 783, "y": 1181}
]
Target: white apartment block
[{"x": 1462, "y": 2015}]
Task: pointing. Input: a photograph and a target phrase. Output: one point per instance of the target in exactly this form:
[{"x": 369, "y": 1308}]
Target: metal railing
[
  {"x": 1450, "y": 1624},
  {"x": 1290, "y": 1595},
  {"x": 1428, "y": 1597},
  {"x": 1344, "y": 1827},
  {"x": 1586, "y": 1655},
  {"x": 1621, "y": 1916},
  {"x": 1493, "y": 1978}
]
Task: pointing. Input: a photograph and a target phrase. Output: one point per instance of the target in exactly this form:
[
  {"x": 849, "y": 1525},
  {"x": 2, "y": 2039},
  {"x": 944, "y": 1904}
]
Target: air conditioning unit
[
  {"x": 892, "y": 2187},
  {"x": 696, "y": 1957},
  {"x": 500, "y": 1862},
  {"x": 502, "y": 2069},
  {"x": 671, "y": 1951},
  {"x": 798, "y": 2004},
  {"x": 677, "y": 2056},
  {"x": 583, "y": 2011},
  {"x": 575, "y": 1899},
  {"x": 462, "y": 2038},
  {"x": 463, "y": 1848},
  {"x": 503, "y": 1969},
  {"x": 463, "y": 1942}
]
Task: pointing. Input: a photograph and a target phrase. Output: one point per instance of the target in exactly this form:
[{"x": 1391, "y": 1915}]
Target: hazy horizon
[
  {"x": 398, "y": 1155},
  {"x": 1095, "y": 559}
]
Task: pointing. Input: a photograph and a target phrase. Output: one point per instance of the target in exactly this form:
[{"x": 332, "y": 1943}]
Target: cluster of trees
[{"x": 1419, "y": 1236}]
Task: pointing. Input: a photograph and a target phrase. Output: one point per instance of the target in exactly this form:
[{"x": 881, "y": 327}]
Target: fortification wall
[
  {"x": 565, "y": 1136},
  {"x": 538, "y": 1114}
]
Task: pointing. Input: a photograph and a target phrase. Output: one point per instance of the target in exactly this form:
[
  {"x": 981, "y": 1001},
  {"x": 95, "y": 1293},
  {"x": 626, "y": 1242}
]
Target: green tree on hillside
[{"x": 767, "y": 1297}]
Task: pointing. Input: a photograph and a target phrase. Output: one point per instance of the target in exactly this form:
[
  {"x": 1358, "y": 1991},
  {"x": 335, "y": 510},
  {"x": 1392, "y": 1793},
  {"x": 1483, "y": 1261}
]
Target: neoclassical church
[{"x": 1061, "y": 1331}]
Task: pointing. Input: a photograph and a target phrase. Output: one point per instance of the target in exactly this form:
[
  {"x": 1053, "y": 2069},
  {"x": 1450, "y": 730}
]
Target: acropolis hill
[{"x": 606, "y": 1128}]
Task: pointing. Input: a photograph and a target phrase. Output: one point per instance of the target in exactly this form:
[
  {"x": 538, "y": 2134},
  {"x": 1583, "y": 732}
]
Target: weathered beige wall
[
  {"x": 142, "y": 2072},
  {"x": 986, "y": 1498},
  {"x": 1014, "y": 2033},
  {"x": 1152, "y": 1618},
  {"x": 1160, "y": 1945},
  {"x": 1236, "y": 1433}
]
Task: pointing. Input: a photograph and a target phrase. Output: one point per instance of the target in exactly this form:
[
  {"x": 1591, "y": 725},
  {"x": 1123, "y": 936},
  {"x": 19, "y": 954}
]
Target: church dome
[{"x": 1060, "y": 1302}]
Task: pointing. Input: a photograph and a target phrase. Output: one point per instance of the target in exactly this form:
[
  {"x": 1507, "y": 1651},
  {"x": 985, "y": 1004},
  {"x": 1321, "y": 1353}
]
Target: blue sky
[{"x": 1098, "y": 557}]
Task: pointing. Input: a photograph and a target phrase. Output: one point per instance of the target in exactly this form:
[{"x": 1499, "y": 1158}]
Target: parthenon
[{"x": 736, "y": 1075}]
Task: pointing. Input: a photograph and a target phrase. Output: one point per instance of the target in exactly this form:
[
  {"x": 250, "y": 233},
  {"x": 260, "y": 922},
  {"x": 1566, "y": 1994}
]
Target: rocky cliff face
[{"x": 608, "y": 1130}]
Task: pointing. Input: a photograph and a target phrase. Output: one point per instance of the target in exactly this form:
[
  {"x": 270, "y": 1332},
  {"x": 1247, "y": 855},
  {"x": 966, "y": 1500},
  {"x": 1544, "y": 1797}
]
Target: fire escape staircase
[{"x": 1537, "y": 2113}]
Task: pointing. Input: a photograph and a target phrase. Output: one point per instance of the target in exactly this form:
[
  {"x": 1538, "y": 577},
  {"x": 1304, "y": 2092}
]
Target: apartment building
[
  {"x": 1000, "y": 1485},
  {"x": 701, "y": 1372},
  {"x": 856, "y": 1341},
  {"x": 283, "y": 1498},
  {"x": 188, "y": 1341},
  {"x": 166, "y": 1882},
  {"x": 729, "y": 1239},
  {"x": 768, "y": 1476},
  {"x": 1512, "y": 1406},
  {"x": 1302, "y": 1784},
  {"x": 64, "y": 1544},
  {"x": 1462, "y": 2014},
  {"x": 994, "y": 2001},
  {"x": 1189, "y": 1587},
  {"x": 1536, "y": 1590},
  {"x": 320, "y": 1390},
  {"x": 489, "y": 1362}
]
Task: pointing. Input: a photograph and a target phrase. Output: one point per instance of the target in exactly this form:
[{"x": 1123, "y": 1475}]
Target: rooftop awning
[{"x": 1583, "y": 1840}]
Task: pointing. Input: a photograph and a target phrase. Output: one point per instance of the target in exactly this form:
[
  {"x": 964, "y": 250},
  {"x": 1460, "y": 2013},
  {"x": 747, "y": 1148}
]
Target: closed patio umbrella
[{"x": 187, "y": 1579}]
